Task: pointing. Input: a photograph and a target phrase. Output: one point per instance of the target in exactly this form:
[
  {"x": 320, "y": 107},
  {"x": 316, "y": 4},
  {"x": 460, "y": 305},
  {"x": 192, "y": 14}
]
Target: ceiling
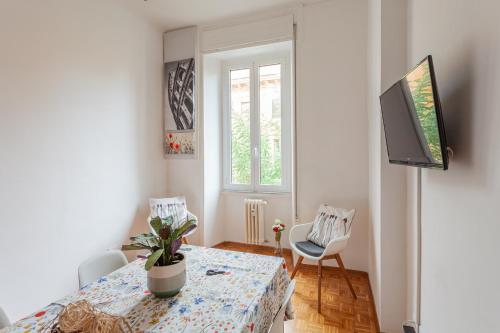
[{"x": 172, "y": 14}]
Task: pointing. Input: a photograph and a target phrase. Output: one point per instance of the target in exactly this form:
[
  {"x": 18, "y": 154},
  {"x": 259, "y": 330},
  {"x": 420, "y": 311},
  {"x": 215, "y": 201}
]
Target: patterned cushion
[
  {"x": 330, "y": 223},
  {"x": 165, "y": 207},
  {"x": 310, "y": 248}
]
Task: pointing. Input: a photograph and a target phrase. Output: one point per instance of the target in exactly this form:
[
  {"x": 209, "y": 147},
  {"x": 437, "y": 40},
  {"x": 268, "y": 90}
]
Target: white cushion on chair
[{"x": 330, "y": 223}]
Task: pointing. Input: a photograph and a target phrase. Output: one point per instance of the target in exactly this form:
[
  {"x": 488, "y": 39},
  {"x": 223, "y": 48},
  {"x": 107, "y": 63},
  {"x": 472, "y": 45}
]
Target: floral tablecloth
[{"x": 243, "y": 299}]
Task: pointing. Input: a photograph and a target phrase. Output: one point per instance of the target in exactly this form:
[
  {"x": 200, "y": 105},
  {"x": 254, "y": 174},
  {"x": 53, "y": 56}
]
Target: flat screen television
[{"x": 413, "y": 122}]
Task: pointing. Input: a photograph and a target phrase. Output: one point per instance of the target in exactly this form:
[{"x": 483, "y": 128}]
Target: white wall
[
  {"x": 80, "y": 140},
  {"x": 413, "y": 245},
  {"x": 332, "y": 154},
  {"x": 460, "y": 227},
  {"x": 214, "y": 228},
  {"x": 375, "y": 150},
  {"x": 331, "y": 68},
  {"x": 332, "y": 126},
  {"x": 224, "y": 211},
  {"x": 393, "y": 178},
  {"x": 185, "y": 174},
  {"x": 387, "y": 251}
]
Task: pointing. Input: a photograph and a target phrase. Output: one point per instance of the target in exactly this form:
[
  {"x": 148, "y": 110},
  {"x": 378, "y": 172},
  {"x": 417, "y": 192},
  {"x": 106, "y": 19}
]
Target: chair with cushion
[
  {"x": 4, "y": 320},
  {"x": 323, "y": 239},
  {"x": 93, "y": 268},
  {"x": 175, "y": 207}
]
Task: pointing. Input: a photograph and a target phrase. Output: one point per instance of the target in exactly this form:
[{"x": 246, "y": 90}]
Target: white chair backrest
[
  {"x": 352, "y": 220},
  {"x": 4, "y": 320},
  {"x": 278, "y": 323},
  {"x": 93, "y": 268}
]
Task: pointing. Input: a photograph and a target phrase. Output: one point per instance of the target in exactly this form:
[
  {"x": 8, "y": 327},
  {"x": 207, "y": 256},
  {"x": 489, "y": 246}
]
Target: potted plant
[{"x": 166, "y": 268}]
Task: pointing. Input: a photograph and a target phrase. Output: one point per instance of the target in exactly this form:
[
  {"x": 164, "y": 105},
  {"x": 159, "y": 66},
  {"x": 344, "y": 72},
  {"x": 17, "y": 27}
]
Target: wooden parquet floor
[{"x": 340, "y": 312}]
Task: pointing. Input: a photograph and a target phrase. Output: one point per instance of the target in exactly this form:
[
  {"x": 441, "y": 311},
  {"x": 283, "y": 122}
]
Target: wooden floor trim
[{"x": 372, "y": 301}]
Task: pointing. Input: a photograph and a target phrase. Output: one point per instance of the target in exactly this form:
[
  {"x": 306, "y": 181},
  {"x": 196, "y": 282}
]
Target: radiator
[{"x": 254, "y": 221}]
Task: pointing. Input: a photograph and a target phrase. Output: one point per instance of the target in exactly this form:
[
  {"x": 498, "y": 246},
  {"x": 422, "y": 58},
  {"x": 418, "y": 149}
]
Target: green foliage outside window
[
  {"x": 240, "y": 149},
  {"x": 270, "y": 158},
  {"x": 270, "y": 154}
]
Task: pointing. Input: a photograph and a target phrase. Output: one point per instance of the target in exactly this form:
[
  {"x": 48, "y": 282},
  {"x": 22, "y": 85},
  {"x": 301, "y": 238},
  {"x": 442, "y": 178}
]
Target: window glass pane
[
  {"x": 241, "y": 170},
  {"x": 270, "y": 124}
]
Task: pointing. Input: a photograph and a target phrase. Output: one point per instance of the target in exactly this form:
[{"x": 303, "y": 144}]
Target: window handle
[{"x": 255, "y": 152}]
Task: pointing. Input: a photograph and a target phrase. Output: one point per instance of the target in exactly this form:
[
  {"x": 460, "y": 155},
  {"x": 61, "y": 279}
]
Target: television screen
[{"x": 413, "y": 124}]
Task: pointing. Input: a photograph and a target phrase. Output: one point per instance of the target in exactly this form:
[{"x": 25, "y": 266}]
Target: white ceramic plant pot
[{"x": 167, "y": 281}]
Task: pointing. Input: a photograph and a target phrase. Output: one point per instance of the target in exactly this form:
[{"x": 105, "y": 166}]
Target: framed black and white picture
[{"x": 180, "y": 111}]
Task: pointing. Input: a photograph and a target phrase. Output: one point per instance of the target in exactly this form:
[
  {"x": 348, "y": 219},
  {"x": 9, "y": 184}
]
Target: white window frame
[{"x": 253, "y": 63}]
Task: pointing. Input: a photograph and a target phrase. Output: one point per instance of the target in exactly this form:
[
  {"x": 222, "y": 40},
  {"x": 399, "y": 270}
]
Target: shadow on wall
[
  {"x": 457, "y": 105},
  {"x": 139, "y": 225},
  {"x": 465, "y": 94}
]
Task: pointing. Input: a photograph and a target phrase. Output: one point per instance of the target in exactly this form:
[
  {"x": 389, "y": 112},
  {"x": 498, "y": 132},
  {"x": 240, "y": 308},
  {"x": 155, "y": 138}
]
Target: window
[{"x": 257, "y": 124}]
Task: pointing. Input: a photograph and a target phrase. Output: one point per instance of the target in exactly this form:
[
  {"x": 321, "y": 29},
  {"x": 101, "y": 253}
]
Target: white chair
[
  {"x": 278, "y": 325},
  {"x": 93, "y": 268},
  {"x": 311, "y": 251},
  {"x": 191, "y": 216},
  {"x": 4, "y": 320}
]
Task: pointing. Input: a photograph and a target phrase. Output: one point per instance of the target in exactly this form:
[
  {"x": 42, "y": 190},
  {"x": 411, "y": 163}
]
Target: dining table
[{"x": 244, "y": 296}]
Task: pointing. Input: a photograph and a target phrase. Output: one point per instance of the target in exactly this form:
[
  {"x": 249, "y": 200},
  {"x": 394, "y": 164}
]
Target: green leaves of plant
[
  {"x": 156, "y": 224},
  {"x": 133, "y": 247},
  {"x": 152, "y": 259},
  {"x": 164, "y": 244},
  {"x": 183, "y": 229},
  {"x": 147, "y": 241},
  {"x": 168, "y": 220}
]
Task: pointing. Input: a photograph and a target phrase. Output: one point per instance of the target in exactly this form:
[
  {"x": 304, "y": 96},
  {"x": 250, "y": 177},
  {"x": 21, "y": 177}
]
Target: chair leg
[
  {"x": 185, "y": 240},
  {"x": 297, "y": 266},
  {"x": 346, "y": 276},
  {"x": 319, "y": 286}
]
